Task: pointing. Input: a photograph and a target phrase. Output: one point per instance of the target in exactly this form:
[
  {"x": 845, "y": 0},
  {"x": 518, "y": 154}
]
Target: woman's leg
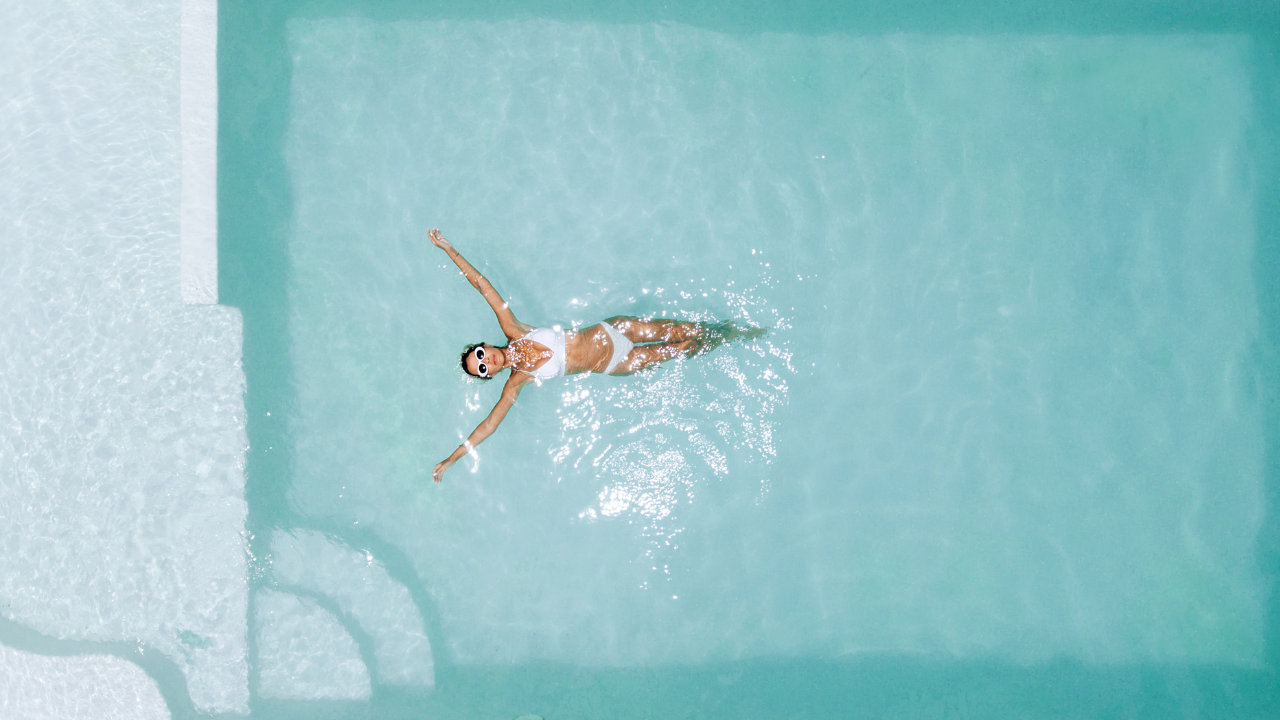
[
  {"x": 655, "y": 331},
  {"x": 673, "y": 338},
  {"x": 643, "y": 356}
]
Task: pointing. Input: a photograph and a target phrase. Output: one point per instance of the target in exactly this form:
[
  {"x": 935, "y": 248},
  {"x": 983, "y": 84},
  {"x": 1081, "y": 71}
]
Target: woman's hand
[
  {"x": 438, "y": 473},
  {"x": 438, "y": 240}
]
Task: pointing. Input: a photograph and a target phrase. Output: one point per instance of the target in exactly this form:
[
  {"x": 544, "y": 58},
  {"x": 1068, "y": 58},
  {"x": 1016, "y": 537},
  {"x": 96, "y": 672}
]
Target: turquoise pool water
[{"x": 1007, "y": 451}]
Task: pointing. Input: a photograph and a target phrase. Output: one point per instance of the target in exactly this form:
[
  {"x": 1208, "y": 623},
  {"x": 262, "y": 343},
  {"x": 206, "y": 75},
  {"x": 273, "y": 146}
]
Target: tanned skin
[{"x": 587, "y": 350}]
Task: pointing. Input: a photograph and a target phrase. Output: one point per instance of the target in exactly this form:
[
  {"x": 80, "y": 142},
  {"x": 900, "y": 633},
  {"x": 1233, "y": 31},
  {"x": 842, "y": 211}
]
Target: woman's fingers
[{"x": 438, "y": 473}]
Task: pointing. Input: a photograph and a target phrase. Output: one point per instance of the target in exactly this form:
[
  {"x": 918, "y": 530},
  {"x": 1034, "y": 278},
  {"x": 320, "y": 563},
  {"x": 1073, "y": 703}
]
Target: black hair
[{"x": 470, "y": 349}]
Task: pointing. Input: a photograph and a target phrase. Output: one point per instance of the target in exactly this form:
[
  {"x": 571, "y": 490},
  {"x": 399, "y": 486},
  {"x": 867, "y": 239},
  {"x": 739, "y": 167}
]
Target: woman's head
[{"x": 482, "y": 361}]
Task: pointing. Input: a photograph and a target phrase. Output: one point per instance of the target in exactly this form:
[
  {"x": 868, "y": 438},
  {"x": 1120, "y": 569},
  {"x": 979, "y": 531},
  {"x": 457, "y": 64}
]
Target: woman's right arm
[
  {"x": 509, "y": 394},
  {"x": 511, "y": 327}
]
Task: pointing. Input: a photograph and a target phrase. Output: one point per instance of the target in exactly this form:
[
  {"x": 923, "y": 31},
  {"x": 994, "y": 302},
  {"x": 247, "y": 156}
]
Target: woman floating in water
[{"x": 617, "y": 346}]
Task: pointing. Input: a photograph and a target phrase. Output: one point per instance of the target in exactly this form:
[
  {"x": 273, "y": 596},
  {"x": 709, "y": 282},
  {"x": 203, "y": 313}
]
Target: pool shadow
[
  {"x": 871, "y": 687},
  {"x": 863, "y": 687},
  {"x": 255, "y": 214},
  {"x": 1266, "y": 275}
]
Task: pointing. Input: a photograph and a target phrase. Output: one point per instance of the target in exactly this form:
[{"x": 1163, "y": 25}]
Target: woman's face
[{"x": 485, "y": 361}]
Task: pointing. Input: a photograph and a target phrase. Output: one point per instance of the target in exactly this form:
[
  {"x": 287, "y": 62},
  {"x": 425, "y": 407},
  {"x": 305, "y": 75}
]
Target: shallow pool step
[
  {"x": 361, "y": 587},
  {"x": 304, "y": 652}
]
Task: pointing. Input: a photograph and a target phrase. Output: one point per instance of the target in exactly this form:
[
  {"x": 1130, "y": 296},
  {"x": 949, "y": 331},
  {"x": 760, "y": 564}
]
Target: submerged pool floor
[{"x": 1003, "y": 452}]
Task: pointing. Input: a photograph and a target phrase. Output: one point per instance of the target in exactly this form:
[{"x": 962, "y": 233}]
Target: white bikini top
[{"x": 553, "y": 339}]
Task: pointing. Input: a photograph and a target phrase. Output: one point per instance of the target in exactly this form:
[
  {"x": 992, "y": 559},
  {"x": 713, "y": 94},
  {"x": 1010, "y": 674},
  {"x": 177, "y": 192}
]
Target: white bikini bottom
[{"x": 621, "y": 347}]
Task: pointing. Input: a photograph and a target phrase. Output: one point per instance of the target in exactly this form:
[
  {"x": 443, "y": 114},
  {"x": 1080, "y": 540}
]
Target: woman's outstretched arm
[
  {"x": 512, "y": 327},
  {"x": 509, "y": 394}
]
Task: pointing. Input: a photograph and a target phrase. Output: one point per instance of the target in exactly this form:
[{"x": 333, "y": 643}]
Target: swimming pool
[
  {"x": 986, "y": 240},
  {"x": 1007, "y": 451}
]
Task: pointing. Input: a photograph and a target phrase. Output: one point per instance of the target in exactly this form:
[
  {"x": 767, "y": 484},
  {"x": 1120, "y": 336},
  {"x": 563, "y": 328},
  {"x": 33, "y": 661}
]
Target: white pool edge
[{"x": 198, "y": 88}]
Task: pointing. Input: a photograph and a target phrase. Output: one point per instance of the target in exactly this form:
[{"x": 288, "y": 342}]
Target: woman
[{"x": 617, "y": 346}]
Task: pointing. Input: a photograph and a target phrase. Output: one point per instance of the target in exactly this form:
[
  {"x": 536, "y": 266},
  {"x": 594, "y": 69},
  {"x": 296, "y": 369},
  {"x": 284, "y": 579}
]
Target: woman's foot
[{"x": 716, "y": 334}]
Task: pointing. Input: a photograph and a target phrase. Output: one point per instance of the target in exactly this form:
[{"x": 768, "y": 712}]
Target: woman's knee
[
  {"x": 659, "y": 330},
  {"x": 635, "y": 361},
  {"x": 637, "y": 330}
]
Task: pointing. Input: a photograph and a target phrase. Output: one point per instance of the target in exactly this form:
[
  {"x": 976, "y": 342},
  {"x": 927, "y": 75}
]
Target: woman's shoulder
[
  {"x": 515, "y": 329},
  {"x": 540, "y": 334}
]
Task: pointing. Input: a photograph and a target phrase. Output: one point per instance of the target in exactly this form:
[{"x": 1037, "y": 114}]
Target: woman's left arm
[
  {"x": 511, "y": 327},
  {"x": 510, "y": 392}
]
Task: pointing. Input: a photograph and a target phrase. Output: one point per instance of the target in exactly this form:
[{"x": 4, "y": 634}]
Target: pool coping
[{"x": 198, "y": 112}]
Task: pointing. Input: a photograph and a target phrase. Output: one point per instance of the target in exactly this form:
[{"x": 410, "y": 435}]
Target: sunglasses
[{"x": 484, "y": 371}]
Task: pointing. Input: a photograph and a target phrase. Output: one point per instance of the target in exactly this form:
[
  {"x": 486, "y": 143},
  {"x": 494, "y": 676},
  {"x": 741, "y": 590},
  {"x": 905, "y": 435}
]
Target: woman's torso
[
  {"x": 553, "y": 339},
  {"x": 588, "y": 350}
]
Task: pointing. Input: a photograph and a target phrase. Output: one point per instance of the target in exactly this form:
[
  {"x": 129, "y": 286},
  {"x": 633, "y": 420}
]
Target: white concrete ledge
[
  {"x": 80, "y": 687},
  {"x": 199, "y": 118}
]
